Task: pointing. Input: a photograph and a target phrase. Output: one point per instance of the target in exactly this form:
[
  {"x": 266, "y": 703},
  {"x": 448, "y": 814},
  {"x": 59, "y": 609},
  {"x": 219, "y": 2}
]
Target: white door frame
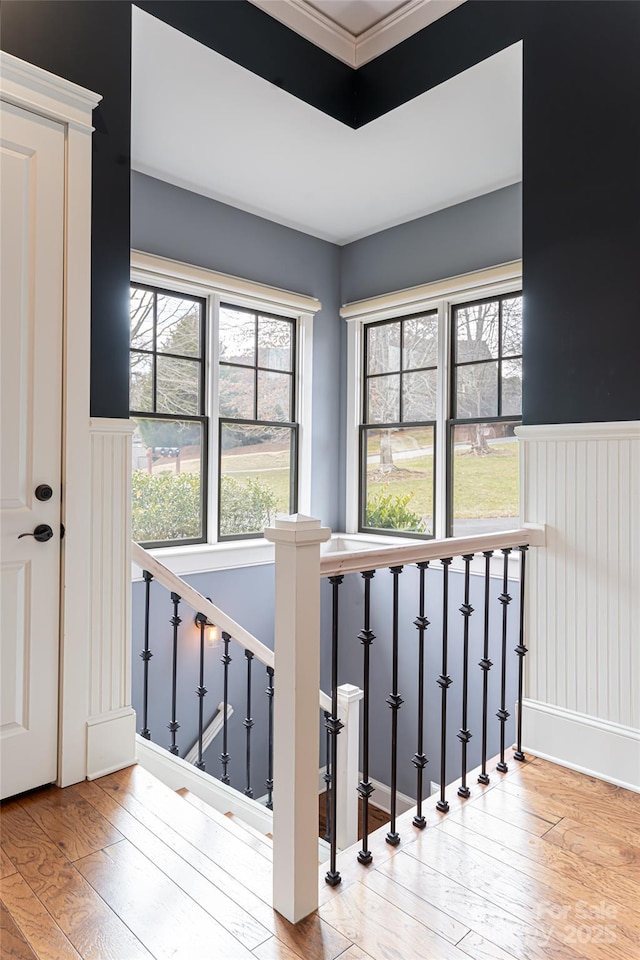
[{"x": 43, "y": 93}]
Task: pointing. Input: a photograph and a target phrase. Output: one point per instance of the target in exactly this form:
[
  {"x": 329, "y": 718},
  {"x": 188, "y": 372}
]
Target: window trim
[
  {"x": 216, "y": 288},
  {"x": 440, "y": 295}
]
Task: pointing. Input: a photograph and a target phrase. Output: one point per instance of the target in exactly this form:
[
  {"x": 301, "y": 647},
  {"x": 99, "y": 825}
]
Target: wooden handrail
[
  {"x": 143, "y": 559},
  {"x": 377, "y": 558}
]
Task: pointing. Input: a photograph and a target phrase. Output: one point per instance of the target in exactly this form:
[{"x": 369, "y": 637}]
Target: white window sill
[{"x": 209, "y": 557}]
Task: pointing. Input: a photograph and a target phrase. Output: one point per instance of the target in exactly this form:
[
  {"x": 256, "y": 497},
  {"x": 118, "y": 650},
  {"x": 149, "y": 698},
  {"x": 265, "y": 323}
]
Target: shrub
[
  {"x": 246, "y": 506},
  {"x": 166, "y": 506},
  {"x": 389, "y": 511}
]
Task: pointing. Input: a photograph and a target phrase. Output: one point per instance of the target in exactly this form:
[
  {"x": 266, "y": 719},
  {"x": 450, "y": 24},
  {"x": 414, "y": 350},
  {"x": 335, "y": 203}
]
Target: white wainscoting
[
  {"x": 111, "y": 723},
  {"x": 583, "y": 597}
]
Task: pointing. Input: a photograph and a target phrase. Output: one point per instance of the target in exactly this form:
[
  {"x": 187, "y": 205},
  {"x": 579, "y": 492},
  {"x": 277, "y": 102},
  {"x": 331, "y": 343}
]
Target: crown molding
[
  {"x": 399, "y": 26},
  {"x": 356, "y": 49}
]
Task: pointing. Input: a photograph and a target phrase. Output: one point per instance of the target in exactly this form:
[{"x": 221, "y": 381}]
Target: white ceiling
[{"x": 205, "y": 123}]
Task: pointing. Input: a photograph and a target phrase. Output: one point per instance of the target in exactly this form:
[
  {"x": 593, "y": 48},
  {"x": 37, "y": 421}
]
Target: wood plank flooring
[{"x": 541, "y": 864}]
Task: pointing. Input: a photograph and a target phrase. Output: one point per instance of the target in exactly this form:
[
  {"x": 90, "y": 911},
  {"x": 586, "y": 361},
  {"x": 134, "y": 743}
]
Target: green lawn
[{"x": 483, "y": 486}]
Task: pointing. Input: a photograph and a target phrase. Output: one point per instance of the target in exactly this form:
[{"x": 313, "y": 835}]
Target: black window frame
[
  {"x": 292, "y": 425},
  {"x": 202, "y": 418},
  {"x": 366, "y": 425},
  {"x": 454, "y": 421}
]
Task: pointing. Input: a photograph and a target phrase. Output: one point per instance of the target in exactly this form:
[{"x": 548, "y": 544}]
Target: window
[
  {"x": 216, "y": 399},
  {"x": 486, "y": 405},
  {"x": 398, "y": 433},
  {"x": 257, "y": 464},
  {"x": 436, "y": 388},
  {"x": 167, "y": 401}
]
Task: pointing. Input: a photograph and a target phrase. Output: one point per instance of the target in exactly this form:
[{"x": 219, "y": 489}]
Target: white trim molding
[
  {"x": 583, "y": 601},
  {"x": 148, "y": 268},
  {"x": 466, "y": 286},
  {"x": 36, "y": 89},
  {"x": 111, "y": 742},
  {"x": 356, "y": 49},
  {"x": 595, "y": 747},
  {"x": 612, "y": 430}
]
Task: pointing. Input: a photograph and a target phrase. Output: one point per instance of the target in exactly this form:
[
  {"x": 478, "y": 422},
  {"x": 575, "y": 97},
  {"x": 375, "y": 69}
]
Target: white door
[{"x": 31, "y": 256}]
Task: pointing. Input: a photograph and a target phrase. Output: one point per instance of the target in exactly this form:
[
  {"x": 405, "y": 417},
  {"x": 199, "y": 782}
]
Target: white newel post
[
  {"x": 297, "y": 542},
  {"x": 348, "y": 777}
]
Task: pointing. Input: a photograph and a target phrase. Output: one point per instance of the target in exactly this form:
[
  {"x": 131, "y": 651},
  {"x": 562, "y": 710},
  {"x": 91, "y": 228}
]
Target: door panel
[{"x": 31, "y": 304}]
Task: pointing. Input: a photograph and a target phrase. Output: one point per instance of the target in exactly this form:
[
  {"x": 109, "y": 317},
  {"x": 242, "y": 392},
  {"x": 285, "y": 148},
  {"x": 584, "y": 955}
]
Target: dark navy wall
[
  {"x": 581, "y": 155},
  {"x": 581, "y": 184},
  {"x": 175, "y": 223},
  {"x": 247, "y": 35},
  {"x": 581, "y": 213},
  {"x": 90, "y": 44},
  {"x": 468, "y": 236}
]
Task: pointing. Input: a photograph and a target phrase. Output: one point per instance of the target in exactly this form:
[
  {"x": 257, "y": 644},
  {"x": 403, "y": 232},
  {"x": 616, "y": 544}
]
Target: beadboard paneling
[
  {"x": 110, "y": 536},
  {"x": 583, "y": 606}
]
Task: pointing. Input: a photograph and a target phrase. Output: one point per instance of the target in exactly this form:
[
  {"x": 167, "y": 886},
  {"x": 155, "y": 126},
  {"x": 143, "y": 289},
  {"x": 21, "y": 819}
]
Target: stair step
[
  {"x": 265, "y": 838},
  {"x": 253, "y": 838},
  {"x": 141, "y": 793}
]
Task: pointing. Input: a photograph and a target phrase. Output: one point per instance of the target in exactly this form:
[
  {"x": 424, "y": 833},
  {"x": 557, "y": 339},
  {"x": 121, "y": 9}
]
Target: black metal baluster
[
  {"x": 225, "y": 660},
  {"x": 269, "y": 782},
  {"x": 485, "y": 665},
  {"x": 334, "y": 726},
  {"x": 366, "y": 638},
  {"x": 419, "y": 759},
  {"x": 463, "y": 734},
  {"x": 503, "y": 713},
  {"x": 201, "y": 691},
  {"x": 327, "y": 782},
  {"x": 521, "y": 651},
  {"x": 444, "y": 682},
  {"x": 174, "y": 726},
  {"x": 145, "y": 656},
  {"x": 248, "y": 724},
  {"x": 395, "y": 701}
]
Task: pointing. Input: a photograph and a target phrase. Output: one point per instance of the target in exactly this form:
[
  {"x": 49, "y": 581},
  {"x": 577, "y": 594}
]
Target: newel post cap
[{"x": 297, "y": 529}]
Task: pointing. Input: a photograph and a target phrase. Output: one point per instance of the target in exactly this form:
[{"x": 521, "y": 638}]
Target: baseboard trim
[
  {"x": 111, "y": 742},
  {"x": 176, "y": 773},
  {"x": 583, "y": 743}
]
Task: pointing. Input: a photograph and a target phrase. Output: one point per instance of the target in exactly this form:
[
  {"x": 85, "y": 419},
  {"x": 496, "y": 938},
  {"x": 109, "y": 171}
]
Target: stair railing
[
  {"x": 416, "y": 610},
  {"x": 208, "y": 614}
]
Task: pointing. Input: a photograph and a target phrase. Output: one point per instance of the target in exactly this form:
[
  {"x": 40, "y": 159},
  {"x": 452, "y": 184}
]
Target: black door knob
[
  {"x": 43, "y": 492},
  {"x": 42, "y": 533}
]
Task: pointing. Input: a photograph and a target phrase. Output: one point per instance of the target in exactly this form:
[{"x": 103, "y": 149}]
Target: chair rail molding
[
  {"x": 583, "y": 668},
  {"x": 111, "y": 723}
]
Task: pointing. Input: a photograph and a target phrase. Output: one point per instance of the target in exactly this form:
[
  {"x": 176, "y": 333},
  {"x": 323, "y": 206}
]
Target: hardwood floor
[
  {"x": 377, "y": 817},
  {"x": 542, "y": 864}
]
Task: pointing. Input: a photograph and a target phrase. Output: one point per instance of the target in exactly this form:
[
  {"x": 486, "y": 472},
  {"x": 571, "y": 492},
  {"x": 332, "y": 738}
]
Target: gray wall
[
  {"x": 171, "y": 222},
  {"x": 480, "y": 233}
]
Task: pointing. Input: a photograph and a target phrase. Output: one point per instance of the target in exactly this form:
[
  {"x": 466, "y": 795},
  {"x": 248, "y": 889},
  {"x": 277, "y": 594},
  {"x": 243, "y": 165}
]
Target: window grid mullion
[
  {"x": 500, "y": 356},
  {"x": 154, "y": 373}
]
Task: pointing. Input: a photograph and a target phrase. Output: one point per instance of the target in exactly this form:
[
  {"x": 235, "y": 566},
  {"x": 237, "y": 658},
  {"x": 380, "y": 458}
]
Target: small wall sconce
[{"x": 212, "y": 632}]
